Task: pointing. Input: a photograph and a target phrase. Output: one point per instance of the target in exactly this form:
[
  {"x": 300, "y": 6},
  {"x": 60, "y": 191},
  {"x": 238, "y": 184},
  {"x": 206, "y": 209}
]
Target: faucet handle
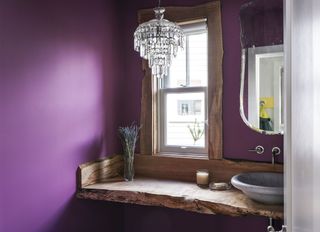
[{"x": 258, "y": 149}]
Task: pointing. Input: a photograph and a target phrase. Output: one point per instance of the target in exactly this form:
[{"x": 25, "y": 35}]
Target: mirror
[{"x": 262, "y": 66}]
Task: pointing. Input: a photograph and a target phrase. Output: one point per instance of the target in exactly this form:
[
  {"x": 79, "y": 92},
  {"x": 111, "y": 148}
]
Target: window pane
[
  {"x": 178, "y": 71},
  {"x": 185, "y": 117},
  {"x": 190, "y": 67},
  {"x": 198, "y": 59}
]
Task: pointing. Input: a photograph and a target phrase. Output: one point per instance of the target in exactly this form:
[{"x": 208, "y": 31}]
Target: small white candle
[{"x": 202, "y": 178}]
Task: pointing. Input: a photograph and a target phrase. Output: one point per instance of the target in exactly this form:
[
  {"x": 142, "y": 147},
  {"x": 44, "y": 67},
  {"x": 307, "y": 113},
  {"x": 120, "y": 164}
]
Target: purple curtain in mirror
[{"x": 261, "y": 23}]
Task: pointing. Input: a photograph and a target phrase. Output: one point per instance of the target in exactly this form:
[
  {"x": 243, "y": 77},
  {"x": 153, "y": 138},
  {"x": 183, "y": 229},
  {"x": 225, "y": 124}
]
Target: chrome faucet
[
  {"x": 270, "y": 228},
  {"x": 275, "y": 152},
  {"x": 258, "y": 149}
]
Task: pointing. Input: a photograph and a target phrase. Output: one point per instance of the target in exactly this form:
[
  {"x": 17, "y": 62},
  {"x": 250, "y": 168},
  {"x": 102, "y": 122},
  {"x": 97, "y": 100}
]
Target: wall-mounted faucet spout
[{"x": 275, "y": 152}]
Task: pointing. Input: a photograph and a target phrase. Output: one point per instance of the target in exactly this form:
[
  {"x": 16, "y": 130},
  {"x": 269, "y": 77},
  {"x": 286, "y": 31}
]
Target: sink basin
[{"x": 264, "y": 187}]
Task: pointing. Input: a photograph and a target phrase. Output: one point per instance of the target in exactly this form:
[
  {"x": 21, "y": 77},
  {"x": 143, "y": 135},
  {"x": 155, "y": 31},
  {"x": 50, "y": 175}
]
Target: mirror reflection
[{"x": 262, "y": 66}]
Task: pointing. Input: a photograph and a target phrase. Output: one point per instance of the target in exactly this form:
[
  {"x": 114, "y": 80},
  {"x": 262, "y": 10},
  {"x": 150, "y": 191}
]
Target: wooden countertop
[{"x": 178, "y": 195}]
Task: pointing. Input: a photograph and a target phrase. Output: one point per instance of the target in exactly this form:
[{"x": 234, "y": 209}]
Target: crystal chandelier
[{"x": 158, "y": 41}]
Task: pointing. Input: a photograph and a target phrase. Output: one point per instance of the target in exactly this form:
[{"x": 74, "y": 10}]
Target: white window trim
[
  {"x": 191, "y": 28},
  {"x": 163, "y": 148},
  {"x": 196, "y": 29}
]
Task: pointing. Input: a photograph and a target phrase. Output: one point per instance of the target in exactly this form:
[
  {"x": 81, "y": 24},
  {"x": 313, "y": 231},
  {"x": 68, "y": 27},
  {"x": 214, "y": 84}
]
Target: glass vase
[{"x": 128, "y": 172}]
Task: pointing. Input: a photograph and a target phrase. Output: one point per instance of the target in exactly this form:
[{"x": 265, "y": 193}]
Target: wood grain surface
[
  {"x": 184, "y": 169},
  {"x": 179, "y": 195},
  {"x": 99, "y": 170}
]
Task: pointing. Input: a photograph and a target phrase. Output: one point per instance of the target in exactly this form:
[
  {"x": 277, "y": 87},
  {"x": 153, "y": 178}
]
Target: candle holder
[{"x": 202, "y": 177}]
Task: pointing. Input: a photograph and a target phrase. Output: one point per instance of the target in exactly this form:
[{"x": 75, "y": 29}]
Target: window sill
[
  {"x": 96, "y": 181},
  {"x": 200, "y": 156}
]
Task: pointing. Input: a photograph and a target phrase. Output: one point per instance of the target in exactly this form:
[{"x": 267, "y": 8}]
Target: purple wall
[
  {"x": 261, "y": 23},
  {"x": 62, "y": 96},
  {"x": 58, "y": 95},
  {"x": 156, "y": 219},
  {"x": 238, "y": 138}
]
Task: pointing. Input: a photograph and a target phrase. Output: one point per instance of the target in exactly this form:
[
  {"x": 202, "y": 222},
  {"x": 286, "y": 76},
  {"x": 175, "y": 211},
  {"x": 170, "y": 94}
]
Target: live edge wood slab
[{"x": 100, "y": 180}]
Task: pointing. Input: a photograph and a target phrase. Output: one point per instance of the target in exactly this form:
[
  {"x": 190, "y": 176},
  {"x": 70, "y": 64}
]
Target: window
[
  {"x": 183, "y": 95},
  {"x": 191, "y": 96}
]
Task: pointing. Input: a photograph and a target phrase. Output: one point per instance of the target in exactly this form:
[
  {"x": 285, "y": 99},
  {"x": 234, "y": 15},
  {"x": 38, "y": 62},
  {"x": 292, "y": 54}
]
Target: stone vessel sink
[{"x": 264, "y": 187}]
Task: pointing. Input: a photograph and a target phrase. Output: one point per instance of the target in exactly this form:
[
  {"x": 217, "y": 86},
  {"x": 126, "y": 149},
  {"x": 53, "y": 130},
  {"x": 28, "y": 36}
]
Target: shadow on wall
[
  {"x": 56, "y": 69},
  {"x": 81, "y": 216},
  {"x": 156, "y": 219}
]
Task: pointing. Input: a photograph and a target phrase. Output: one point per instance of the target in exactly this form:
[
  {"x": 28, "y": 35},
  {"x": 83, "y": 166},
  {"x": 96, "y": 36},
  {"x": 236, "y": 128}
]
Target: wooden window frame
[{"x": 149, "y": 108}]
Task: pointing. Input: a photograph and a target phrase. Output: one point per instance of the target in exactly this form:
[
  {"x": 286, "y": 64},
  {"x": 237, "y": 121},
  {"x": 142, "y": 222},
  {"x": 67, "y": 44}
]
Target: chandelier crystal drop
[{"x": 158, "y": 41}]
